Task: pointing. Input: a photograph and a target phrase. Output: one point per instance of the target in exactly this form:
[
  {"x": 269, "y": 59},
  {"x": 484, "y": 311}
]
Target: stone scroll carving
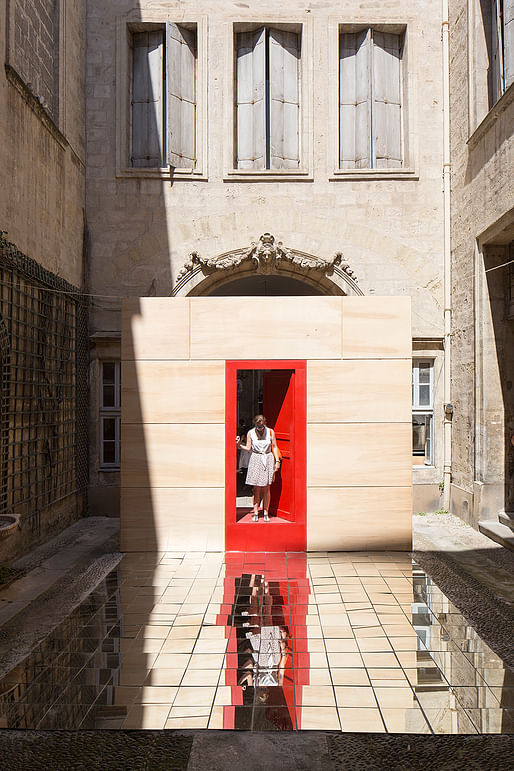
[{"x": 265, "y": 256}]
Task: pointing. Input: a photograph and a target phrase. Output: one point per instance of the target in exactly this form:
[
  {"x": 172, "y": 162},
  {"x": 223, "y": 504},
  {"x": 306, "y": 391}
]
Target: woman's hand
[{"x": 238, "y": 439}]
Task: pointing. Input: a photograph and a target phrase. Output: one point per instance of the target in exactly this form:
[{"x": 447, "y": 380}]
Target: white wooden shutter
[
  {"x": 387, "y": 111},
  {"x": 181, "y": 53},
  {"x": 250, "y": 109},
  {"x": 508, "y": 41},
  {"x": 147, "y": 99},
  {"x": 355, "y": 100},
  {"x": 284, "y": 58}
]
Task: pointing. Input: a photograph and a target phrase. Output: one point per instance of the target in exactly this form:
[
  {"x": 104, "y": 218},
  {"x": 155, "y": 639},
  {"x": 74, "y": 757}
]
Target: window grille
[{"x": 44, "y": 394}]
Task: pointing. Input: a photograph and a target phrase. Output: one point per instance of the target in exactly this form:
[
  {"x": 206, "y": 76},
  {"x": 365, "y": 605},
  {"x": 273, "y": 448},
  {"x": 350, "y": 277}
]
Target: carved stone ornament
[{"x": 265, "y": 256}]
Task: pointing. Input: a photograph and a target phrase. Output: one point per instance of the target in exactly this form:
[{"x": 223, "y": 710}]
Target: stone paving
[{"x": 350, "y": 642}]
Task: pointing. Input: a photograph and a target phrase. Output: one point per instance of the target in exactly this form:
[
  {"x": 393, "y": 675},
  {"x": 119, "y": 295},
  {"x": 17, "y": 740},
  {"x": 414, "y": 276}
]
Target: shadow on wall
[
  {"x": 129, "y": 240},
  {"x": 502, "y": 313}
]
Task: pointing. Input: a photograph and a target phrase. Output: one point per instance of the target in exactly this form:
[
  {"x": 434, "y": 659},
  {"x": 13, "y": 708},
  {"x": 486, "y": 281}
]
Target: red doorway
[{"x": 284, "y": 404}]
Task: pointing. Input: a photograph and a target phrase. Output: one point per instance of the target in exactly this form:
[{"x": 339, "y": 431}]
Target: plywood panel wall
[{"x": 358, "y": 353}]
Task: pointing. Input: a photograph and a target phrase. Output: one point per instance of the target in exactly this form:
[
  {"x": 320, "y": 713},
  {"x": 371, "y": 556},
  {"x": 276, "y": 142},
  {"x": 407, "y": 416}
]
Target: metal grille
[{"x": 44, "y": 360}]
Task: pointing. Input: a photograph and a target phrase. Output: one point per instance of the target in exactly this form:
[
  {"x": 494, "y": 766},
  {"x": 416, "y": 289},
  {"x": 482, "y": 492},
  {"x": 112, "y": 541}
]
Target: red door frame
[{"x": 263, "y": 536}]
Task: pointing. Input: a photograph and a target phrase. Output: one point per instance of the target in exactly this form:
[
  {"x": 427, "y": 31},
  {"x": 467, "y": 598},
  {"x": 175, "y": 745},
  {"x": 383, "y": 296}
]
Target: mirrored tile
[
  {"x": 357, "y": 720},
  {"x": 398, "y": 720},
  {"x": 318, "y": 718}
]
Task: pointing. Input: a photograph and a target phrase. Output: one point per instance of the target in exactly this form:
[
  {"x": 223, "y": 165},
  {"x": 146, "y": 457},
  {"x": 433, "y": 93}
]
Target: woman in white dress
[{"x": 264, "y": 463}]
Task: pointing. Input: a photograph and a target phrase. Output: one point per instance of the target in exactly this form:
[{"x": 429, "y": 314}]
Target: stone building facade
[
  {"x": 482, "y": 227},
  {"x": 43, "y": 319},
  {"x": 214, "y": 126}
]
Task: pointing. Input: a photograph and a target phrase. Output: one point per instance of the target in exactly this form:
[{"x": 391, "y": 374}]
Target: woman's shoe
[
  {"x": 266, "y": 517},
  {"x": 255, "y": 517}
]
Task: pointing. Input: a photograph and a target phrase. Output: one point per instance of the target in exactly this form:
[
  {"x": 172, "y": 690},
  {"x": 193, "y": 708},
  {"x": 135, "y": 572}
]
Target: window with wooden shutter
[
  {"x": 250, "y": 110},
  {"x": 267, "y": 99},
  {"x": 147, "y": 99},
  {"x": 181, "y": 55},
  {"x": 164, "y": 101},
  {"x": 370, "y": 100}
]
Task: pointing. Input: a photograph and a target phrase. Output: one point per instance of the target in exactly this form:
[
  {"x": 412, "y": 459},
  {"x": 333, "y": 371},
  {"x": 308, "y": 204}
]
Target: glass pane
[
  {"x": 108, "y": 370},
  {"x": 109, "y": 452},
  {"x": 424, "y": 373},
  {"x": 418, "y": 434},
  {"x": 108, "y": 393},
  {"x": 109, "y": 429},
  {"x": 424, "y": 396}
]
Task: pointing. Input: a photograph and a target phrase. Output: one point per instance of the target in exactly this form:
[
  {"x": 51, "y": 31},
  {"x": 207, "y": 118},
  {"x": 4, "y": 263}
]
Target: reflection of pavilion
[{"x": 263, "y": 641}]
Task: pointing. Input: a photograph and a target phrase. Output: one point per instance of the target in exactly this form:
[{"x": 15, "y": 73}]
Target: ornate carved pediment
[{"x": 265, "y": 256}]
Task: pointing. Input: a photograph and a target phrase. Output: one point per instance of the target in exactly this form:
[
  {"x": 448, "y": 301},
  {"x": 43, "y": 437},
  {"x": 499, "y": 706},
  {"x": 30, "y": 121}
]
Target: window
[
  {"x": 267, "y": 99},
  {"x": 370, "y": 100},
  {"x": 491, "y": 52},
  {"x": 501, "y": 63},
  {"x": 422, "y": 411},
  {"x": 164, "y": 103},
  {"x": 110, "y": 416}
]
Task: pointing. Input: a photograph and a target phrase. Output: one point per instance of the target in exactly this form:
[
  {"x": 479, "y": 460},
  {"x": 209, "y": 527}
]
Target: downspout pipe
[{"x": 448, "y": 410}]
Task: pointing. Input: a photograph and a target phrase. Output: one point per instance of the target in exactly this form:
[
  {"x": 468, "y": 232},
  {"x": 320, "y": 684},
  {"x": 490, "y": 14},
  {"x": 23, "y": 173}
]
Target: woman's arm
[{"x": 247, "y": 446}]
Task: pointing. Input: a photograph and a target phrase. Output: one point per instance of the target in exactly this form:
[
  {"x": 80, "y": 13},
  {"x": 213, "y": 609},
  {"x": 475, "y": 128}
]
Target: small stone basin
[{"x": 8, "y": 524}]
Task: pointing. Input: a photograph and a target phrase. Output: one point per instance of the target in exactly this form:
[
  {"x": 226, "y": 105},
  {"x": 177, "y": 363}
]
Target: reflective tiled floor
[{"x": 261, "y": 641}]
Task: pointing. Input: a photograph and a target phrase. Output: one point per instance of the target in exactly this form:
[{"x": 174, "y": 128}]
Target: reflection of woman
[
  {"x": 264, "y": 463},
  {"x": 263, "y": 653}
]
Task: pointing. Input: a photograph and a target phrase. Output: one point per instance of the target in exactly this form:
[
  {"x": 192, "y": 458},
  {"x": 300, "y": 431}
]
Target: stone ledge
[
  {"x": 498, "y": 532},
  {"x": 507, "y": 520}
]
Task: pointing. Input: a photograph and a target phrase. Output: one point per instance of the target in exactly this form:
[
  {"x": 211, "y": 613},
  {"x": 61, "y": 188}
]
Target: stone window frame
[
  {"x": 406, "y": 26},
  {"x": 141, "y": 21},
  {"x": 305, "y": 27},
  {"x": 59, "y": 121}
]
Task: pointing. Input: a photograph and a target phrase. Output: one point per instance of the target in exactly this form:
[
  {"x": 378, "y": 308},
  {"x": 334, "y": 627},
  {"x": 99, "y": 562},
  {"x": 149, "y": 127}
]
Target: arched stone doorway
[{"x": 265, "y": 268}]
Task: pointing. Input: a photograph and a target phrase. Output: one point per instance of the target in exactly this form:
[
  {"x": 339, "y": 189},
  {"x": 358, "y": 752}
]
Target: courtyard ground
[{"x": 362, "y": 656}]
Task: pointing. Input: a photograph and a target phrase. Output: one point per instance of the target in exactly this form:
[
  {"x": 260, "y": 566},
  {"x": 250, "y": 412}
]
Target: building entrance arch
[{"x": 266, "y": 267}]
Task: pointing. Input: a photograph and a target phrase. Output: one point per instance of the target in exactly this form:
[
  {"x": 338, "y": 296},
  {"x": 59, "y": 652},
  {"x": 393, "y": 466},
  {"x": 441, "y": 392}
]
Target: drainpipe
[{"x": 448, "y": 409}]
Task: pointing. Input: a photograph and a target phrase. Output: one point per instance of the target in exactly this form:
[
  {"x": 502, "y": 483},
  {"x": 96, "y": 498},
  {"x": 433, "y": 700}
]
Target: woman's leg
[
  {"x": 265, "y": 500},
  {"x": 257, "y": 492}
]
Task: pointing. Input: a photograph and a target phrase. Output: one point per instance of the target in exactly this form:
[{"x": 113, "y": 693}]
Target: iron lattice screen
[{"x": 44, "y": 368}]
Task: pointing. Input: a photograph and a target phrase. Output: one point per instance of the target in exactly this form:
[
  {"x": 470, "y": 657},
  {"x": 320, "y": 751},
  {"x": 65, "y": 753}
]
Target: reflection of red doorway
[
  {"x": 244, "y": 611},
  {"x": 284, "y": 404}
]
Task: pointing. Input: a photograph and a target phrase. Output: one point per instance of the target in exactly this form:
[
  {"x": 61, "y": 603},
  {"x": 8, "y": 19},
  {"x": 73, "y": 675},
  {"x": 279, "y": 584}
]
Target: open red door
[
  {"x": 284, "y": 402},
  {"x": 278, "y": 406}
]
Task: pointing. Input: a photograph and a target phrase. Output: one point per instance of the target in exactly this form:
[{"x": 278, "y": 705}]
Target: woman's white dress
[{"x": 262, "y": 462}]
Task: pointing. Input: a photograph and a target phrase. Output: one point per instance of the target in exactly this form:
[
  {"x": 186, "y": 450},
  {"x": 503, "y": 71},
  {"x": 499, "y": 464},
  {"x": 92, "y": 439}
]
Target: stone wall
[
  {"x": 42, "y": 132},
  {"x": 35, "y": 51},
  {"x": 482, "y": 194},
  {"x": 42, "y": 201}
]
